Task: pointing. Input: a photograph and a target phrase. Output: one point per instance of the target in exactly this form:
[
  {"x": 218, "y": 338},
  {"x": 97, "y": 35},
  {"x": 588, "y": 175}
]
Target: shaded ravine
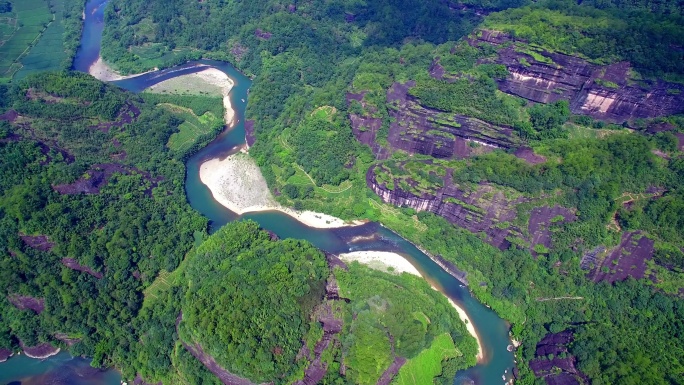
[{"x": 493, "y": 331}]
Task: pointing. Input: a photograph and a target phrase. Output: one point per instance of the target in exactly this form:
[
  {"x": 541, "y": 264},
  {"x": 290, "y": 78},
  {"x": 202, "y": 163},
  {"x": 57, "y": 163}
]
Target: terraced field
[
  {"x": 20, "y": 31},
  {"x": 193, "y": 127},
  {"x": 48, "y": 53},
  {"x": 38, "y": 35}
]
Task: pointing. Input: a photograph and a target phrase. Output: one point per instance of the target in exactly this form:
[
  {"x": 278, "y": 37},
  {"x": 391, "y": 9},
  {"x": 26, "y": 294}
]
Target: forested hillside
[
  {"x": 92, "y": 208},
  {"x": 95, "y": 226},
  {"x": 538, "y": 148},
  {"x": 269, "y": 310}
]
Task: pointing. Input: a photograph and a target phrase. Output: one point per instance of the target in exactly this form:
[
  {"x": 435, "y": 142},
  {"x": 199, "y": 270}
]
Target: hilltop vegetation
[
  {"x": 617, "y": 190},
  {"x": 92, "y": 208},
  {"x": 243, "y": 287},
  {"x": 604, "y": 35},
  {"x": 93, "y": 215}
]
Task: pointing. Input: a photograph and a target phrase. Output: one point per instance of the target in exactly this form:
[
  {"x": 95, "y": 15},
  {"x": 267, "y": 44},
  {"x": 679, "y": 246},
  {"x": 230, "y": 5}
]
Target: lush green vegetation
[
  {"x": 249, "y": 300},
  {"x": 616, "y": 31},
  {"x": 202, "y": 118},
  {"x": 423, "y": 368},
  {"x": 305, "y": 58},
  {"x": 401, "y": 314},
  {"x": 136, "y": 227},
  {"x": 256, "y": 329},
  {"x": 476, "y": 98},
  {"x": 134, "y": 224}
]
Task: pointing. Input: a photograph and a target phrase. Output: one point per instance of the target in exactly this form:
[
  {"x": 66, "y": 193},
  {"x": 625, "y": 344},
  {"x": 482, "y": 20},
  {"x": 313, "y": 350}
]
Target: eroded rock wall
[
  {"x": 611, "y": 93},
  {"x": 484, "y": 210},
  {"x": 422, "y": 130}
]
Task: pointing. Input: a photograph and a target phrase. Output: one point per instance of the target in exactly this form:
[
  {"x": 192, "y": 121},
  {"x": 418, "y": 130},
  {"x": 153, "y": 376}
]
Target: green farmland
[{"x": 35, "y": 35}]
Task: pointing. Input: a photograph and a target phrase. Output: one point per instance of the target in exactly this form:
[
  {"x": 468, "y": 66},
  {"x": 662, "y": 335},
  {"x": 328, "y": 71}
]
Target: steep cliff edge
[
  {"x": 482, "y": 209},
  {"x": 417, "y": 129},
  {"x": 613, "y": 93}
]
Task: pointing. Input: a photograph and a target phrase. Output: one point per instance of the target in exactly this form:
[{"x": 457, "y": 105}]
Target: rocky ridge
[{"x": 612, "y": 93}]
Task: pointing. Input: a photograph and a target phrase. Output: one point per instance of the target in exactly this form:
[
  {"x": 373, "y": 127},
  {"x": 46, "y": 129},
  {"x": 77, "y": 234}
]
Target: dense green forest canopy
[
  {"x": 588, "y": 169},
  {"x": 85, "y": 169},
  {"x": 250, "y": 301},
  {"x": 306, "y": 57},
  {"x": 605, "y": 35}
]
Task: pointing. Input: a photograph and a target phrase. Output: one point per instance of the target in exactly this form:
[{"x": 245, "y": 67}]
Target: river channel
[{"x": 63, "y": 369}]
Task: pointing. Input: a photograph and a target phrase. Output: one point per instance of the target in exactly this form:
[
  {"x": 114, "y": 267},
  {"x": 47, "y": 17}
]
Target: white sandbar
[
  {"x": 236, "y": 183},
  {"x": 210, "y": 81},
  {"x": 381, "y": 260},
  {"x": 101, "y": 71}
]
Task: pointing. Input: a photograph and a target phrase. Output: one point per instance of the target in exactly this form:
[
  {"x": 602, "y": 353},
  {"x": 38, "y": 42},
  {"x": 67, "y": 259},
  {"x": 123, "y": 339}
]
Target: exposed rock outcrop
[
  {"x": 609, "y": 93},
  {"x": 210, "y": 363},
  {"x": 332, "y": 326},
  {"x": 365, "y": 126},
  {"x": 5, "y": 354},
  {"x": 37, "y": 242},
  {"x": 422, "y": 130},
  {"x": 24, "y": 302},
  {"x": 98, "y": 176},
  {"x": 41, "y": 351},
  {"x": 74, "y": 265},
  {"x": 628, "y": 259},
  {"x": 541, "y": 219},
  {"x": 557, "y": 370},
  {"x": 464, "y": 208}
]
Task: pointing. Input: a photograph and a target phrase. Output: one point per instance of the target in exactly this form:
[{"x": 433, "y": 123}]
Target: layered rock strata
[
  {"x": 421, "y": 130},
  {"x": 471, "y": 210},
  {"x": 611, "y": 92}
]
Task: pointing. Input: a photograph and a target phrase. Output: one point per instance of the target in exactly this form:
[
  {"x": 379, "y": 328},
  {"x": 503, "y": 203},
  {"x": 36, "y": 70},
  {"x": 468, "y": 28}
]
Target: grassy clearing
[
  {"x": 192, "y": 129},
  {"x": 165, "y": 280},
  {"x": 160, "y": 284},
  {"x": 22, "y": 28},
  {"x": 324, "y": 112},
  {"x": 422, "y": 318},
  {"x": 427, "y": 365},
  {"x": 583, "y": 132}
]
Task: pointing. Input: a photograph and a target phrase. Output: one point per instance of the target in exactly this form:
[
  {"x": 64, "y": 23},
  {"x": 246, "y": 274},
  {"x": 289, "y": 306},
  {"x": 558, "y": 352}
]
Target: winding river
[{"x": 63, "y": 369}]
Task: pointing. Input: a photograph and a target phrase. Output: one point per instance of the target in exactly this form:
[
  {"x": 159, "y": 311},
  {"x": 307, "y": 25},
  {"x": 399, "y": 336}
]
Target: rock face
[
  {"x": 603, "y": 92},
  {"x": 365, "y": 126},
  {"x": 485, "y": 210},
  {"x": 421, "y": 130},
  {"x": 561, "y": 371},
  {"x": 541, "y": 219},
  {"x": 628, "y": 259},
  {"x": 74, "y": 265},
  {"x": 23, "y": 302}
]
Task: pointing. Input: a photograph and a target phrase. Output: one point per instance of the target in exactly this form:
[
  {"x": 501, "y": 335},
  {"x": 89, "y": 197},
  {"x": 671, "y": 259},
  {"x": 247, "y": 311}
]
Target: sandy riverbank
[
  {"x": 470, "y": 327},
  {"x": 101, "y": 71},
  {"x": 236, "y": 183},
  {"x": 41, "y": 351},
  {"x": 381, "y": 260},
  {"x": 209, "y": 81}
]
